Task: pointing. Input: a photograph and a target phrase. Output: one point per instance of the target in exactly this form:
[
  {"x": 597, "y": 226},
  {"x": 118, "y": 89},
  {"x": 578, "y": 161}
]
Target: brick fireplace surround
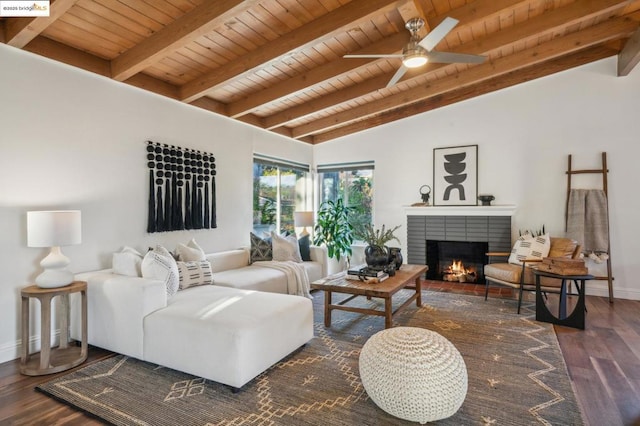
[{"x": 488, "y": 224}]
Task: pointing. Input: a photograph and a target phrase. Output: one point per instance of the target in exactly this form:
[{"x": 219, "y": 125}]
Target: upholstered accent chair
[{"x": 521, "y": 277}]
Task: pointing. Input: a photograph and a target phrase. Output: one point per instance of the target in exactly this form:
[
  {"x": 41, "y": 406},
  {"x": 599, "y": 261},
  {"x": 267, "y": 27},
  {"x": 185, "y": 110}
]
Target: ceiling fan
[{"x": 418, "y": 52}]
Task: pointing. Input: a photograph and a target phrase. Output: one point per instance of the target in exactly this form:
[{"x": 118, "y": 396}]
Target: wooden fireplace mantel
[{"x": 497, "y": 210}]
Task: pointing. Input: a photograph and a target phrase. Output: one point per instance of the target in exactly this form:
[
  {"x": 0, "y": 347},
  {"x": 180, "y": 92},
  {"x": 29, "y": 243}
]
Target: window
[
  {"x": 280, "y": 188},
  {"x": 353, "y": 182}
]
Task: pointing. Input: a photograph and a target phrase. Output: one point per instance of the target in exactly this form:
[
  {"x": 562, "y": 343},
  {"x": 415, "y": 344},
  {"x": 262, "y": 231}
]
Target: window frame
[{"x": 280, "y": 164}]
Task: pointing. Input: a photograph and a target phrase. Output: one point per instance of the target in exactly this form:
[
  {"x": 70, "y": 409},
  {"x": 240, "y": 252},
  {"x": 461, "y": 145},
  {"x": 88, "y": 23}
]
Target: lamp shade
[
  {"x": 54, "y": 228},
  {"x": 303, "y": 219}
]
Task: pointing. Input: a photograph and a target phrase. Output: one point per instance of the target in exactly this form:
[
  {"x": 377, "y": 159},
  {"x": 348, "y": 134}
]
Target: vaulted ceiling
[{"x": 279, "y": 64}]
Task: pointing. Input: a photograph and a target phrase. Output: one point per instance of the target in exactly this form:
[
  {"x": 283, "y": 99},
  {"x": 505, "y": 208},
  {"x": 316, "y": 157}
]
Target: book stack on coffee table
[{"x": 366, "y": 274}]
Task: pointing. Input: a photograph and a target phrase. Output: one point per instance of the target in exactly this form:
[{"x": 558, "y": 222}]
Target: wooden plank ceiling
[{"x": 278, "y": 64}]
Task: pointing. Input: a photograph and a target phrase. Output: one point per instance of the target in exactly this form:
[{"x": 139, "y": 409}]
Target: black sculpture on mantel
[
  {"x": 425, "y": 192},
  {"x": 486, "y": 199}
]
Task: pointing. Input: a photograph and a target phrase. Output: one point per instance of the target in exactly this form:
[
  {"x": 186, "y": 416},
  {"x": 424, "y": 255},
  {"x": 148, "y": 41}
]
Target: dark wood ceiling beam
[
  {"x": 210, "y": 105},
  {"x": 314, "y": 32},
  {"x": 343, "y": 95},
  {"x": 18, "y": 32},
  {"x": 194, "y": 24},
  {"x": 62, "y": 53},
  {"x": 284, "y": 131},
  {"x": 479, "y": 9},
  {"x": 630, "y": 55},
  {"x": 152, "y": 84},
  {"x": 254, "y": 120},
  {"x": 511, "y": 79},
  {"x": 598, "y": 34},
  {"x": 315, "y": 76},
  {"x": 526, "y": 31}
]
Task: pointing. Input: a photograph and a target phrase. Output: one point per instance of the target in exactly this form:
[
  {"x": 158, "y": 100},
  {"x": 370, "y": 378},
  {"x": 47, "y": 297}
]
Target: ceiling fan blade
[
  {"x": 432, "y": 39},
  {"x": 374, "y": 56},
  {"x": 451, "y": 58},
  {"x": 397, "y": 76}
]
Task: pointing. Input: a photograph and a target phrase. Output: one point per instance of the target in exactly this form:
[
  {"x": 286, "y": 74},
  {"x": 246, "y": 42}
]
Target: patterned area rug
[{"x": 516, "y": 375}]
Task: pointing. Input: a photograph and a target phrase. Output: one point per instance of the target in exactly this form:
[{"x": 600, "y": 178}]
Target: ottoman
[
  {"x": 225, "y": 334},
  {"x": 413, "y": 373}
]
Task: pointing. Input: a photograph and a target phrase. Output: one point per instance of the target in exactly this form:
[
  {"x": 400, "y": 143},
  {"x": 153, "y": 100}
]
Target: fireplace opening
[{"x": 457, "y": 261}]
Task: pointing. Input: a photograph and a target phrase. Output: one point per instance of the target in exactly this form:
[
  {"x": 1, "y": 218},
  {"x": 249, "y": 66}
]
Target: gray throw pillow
[{"x": 261, "y": 248}]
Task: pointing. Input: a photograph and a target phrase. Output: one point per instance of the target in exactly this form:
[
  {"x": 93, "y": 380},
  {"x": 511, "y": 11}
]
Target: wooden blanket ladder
[{"x": 603, "y": 171}]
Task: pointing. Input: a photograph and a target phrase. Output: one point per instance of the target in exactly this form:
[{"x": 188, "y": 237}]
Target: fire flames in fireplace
[{"x": 458, "y": 273}]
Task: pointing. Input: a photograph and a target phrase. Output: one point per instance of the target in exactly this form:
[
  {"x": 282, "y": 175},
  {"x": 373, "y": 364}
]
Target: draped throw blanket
[
  {"x": 588, "y": 220},
  {"x": 297, "y": 278}
]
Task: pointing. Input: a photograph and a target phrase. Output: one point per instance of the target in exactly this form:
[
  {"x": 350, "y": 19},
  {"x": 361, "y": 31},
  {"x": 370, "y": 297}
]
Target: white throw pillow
[
  {"x": 190, "y": 252},
  {"x": 158, "y": 264},
  {"x": 528, "y": 247},
  {"x": 194, "y": 273},
  {"x": 127, "y": 262},
  {"x": 285, "y": 248}
]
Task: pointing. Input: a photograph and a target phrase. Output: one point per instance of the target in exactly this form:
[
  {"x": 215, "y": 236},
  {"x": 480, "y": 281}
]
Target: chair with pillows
[{"x": 527, "y": 251}]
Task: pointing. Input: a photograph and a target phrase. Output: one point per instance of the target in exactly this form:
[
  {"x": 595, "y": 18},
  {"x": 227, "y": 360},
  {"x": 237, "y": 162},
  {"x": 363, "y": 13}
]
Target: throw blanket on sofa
[
  {"x": 587, "y": 221},
  {"x": 297, "y": 278}
]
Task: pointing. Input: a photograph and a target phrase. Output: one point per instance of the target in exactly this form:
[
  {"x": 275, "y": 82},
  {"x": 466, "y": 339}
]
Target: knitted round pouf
[{"x": 413, "y": 373}]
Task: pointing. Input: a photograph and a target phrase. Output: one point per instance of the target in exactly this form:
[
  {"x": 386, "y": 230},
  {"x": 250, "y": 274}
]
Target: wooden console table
[{"x": 52, "y": 360}]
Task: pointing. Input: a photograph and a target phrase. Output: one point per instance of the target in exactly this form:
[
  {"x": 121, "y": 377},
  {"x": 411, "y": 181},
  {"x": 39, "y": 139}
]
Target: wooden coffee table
[{"x": 408, "y": 276}]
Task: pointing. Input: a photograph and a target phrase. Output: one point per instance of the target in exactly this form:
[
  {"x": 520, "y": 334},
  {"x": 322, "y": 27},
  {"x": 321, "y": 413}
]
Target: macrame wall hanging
[{"x": 182, "y": 188}]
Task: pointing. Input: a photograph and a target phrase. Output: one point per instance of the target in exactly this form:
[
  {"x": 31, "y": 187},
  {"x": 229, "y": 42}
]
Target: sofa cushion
[
  {"x": 260, "y": 248},
  {"x": 315, "y": 270},
  {"x": 510, "y": 274},
  {"x": 127, "y": 262},
  {"x": 194, "y": 273},
  {"x": 253, "y": 278},
  {"x": 159, "y": 264},
  {"x": 230, "y": 259},
  {"x": 285, "y": 248},
  {"x": 226, "y": 335}
]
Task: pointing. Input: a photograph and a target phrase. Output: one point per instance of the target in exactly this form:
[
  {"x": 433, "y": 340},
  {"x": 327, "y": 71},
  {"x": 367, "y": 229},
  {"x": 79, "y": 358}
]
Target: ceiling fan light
[{"x": 414, "y": 61}]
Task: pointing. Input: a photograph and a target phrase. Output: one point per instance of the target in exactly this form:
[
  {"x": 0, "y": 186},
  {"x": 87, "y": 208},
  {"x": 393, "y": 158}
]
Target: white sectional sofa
[{"x": 228, "y": 332}]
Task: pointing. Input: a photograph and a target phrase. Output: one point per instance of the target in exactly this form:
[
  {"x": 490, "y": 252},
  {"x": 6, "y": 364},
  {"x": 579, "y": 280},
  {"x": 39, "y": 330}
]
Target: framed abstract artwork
[{"x": 455, "y": 176}]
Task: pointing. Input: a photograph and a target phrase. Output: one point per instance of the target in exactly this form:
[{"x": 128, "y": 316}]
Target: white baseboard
[
  {"x": 11, "y": 351},
  {"x": 601, "y": 288}
]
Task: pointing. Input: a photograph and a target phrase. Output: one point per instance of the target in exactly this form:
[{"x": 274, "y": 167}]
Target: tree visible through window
[
  {"x": 354, "y": 184},
  {"x": 278, "y": 191}
]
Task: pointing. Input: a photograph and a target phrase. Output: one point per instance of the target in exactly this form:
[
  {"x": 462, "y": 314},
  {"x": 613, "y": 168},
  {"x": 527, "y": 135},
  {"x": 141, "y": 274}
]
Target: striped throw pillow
[{"x": 194, "y": 273}]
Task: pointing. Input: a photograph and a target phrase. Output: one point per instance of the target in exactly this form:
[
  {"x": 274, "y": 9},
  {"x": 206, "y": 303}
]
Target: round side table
[{"x": 52, "y": 360}]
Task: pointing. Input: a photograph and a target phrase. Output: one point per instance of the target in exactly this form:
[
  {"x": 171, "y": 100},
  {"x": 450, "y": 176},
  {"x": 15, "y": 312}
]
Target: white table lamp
[
  {"x": 303, "y": 219},
  {"x": 54, "y": 229}
]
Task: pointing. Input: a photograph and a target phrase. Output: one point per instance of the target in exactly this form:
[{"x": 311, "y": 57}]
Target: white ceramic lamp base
[{"x": 55, "y": 272}]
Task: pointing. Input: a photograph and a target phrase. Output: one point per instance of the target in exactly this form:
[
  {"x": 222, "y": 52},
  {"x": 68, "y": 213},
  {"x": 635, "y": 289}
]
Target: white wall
[
  {"x": 74, "y": 140},
  {"x": 524, "y": 135},
  {"x": 71, "y": 139}
]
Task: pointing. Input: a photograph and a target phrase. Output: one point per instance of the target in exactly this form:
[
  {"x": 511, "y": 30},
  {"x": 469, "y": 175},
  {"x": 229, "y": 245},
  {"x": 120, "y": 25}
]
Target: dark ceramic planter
[{"x": 376, "y": 256}]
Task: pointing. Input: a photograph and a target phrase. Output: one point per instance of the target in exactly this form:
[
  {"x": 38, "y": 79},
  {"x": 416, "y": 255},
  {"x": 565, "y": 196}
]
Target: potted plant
[
  {"x": 377, "y": 254},
  {"x": 334, "y": 230}
]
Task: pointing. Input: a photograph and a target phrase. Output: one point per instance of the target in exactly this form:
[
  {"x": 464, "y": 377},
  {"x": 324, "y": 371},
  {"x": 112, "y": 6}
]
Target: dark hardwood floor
[{"x": 603, "y": 363}]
